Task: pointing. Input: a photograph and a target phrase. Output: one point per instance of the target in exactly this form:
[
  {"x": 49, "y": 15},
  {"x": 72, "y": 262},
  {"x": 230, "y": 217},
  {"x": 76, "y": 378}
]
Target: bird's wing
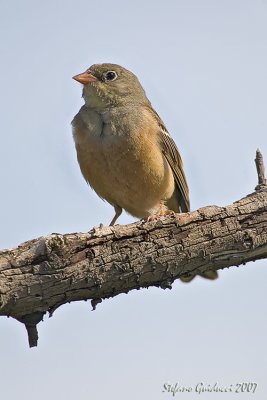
[{"x": 172, "y": 155}]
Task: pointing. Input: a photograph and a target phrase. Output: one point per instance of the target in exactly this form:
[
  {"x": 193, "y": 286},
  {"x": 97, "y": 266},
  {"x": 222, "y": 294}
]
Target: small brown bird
[{"x": 124, "y": 150}]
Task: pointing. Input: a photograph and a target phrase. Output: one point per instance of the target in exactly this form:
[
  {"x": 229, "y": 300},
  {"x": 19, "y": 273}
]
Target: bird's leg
[
  {"x": 161, "y": 212},
  {"x": 162, "y": 208},
  {"x": 118, "y": 211}
]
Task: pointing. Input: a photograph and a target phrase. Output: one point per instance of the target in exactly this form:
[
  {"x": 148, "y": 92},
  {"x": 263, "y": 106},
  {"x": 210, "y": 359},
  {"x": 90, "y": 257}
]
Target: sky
[{"x": 203, "y": 65}]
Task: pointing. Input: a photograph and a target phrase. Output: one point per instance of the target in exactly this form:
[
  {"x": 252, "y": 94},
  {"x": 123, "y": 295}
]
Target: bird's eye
[{"x": 110, "y": 76}]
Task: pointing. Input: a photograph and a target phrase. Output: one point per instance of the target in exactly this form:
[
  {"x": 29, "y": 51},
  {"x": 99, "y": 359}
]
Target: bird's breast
[{"x": 125, "y": 166}]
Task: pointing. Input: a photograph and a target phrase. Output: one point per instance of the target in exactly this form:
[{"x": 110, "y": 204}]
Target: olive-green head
[{"x": 110, "y": 85}]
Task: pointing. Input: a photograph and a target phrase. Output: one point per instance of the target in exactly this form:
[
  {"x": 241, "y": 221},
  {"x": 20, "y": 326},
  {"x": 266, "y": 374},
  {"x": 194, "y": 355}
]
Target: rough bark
[{"x": 44, "y": 273}]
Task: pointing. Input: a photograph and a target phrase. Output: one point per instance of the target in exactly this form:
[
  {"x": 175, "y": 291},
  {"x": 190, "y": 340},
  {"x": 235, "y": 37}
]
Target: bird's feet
[{"x": 162, "y": 211}]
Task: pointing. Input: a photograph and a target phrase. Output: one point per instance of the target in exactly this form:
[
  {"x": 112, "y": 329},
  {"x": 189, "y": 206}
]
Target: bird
[{"x": 124, "y": 150}]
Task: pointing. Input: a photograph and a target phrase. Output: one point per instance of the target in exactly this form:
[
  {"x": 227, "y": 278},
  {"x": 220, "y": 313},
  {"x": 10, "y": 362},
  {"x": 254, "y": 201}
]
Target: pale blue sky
[{"x": 203, "y": 65}]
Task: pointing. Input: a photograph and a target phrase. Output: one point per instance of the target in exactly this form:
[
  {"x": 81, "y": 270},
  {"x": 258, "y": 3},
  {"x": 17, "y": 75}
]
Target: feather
[{"x": 172, "y": 155}]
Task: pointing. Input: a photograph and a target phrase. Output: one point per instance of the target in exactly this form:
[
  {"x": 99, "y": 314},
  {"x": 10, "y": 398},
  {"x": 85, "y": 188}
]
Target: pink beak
[{"x": 85, "y": 77}]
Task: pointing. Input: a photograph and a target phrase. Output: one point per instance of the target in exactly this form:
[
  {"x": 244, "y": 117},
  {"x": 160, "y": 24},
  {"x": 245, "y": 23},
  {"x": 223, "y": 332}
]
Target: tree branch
[
  {"x": 260, "y": 170},
  {"x": 44, "y": 273}
]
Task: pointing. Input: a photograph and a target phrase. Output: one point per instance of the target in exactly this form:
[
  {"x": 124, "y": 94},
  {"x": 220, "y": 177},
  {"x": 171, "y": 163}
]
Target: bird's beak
[{"x": 85, "y": 77}]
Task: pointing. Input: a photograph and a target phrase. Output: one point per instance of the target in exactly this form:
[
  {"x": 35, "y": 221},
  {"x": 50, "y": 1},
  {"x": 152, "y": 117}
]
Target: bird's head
[{"x": 110, "y": 85}]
